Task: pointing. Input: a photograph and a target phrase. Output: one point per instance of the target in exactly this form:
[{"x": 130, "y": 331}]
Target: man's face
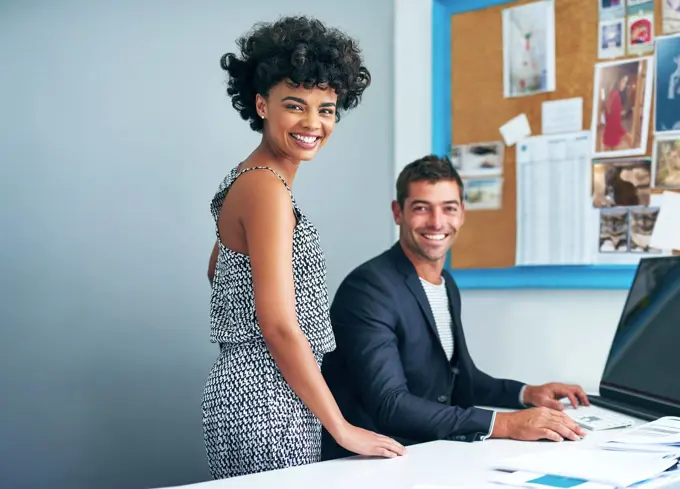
[{"x": 432, "y": 215}]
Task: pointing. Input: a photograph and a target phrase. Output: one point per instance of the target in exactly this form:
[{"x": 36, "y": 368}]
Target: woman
[
  {"x": 265, "y": 400},
  {"x": 614, "y": 133}
]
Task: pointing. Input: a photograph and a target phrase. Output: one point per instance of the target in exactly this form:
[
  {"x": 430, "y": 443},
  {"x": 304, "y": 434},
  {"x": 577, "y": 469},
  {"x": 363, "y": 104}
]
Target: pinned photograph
[
  {"x": 642, "y": 222},
  {"x": 610, "y": 9},
  {"x": 667, "y": 87},
  {"x": 622, "y": 183},
  {"x": 666, "y": 162},
  {"x": 613, "y": 230},
  {"x": 529, "y": 49},
  {"x": 637, "y": 6},
  {"x": 456, "y": 156},
  {"x": 622, "y": 97},
  {"x": 641, "y": 33},
  {"x": 611, "y": 40},
  {"x": 670, "y": 16},
  {"x": 483, "y": 193},
  {"x": 483, "y": 159}
]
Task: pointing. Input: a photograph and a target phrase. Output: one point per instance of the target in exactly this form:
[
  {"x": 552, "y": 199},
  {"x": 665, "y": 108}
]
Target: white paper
[
  {"x": 430, "y": 486},
  {"x": 562, "y": 116},
  {"x": 666, "y": 234},
  {"x": 648, "y": 448},
  {"x": 655, "y": 200},
  {"x": 539, "y": 481},
  {"x": 620, "y": 469},
  {"x": 520, "y": 478},
  {"x": 667, "y": 480},
  {"x": 515, "y": 129},
  {"x": 663, "y": 431},
  {"x": 553, "y": 200}
]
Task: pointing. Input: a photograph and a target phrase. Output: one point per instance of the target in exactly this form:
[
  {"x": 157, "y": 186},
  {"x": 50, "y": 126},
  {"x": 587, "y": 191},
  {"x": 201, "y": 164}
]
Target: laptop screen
[{"x": 644, "y": 359}]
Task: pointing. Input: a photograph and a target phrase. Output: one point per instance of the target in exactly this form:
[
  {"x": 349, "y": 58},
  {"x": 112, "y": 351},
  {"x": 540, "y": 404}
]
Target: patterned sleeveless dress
[{"x": 252, "y": 420}]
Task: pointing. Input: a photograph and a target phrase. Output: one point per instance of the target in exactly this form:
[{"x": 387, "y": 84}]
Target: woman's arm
[
  {"x": 213, "y": 262},
  {"x": 268, "y": 221}
]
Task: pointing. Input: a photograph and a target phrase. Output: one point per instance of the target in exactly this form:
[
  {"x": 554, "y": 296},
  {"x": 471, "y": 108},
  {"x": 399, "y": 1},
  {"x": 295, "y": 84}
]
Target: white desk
[{"x": 435, "y": 463}]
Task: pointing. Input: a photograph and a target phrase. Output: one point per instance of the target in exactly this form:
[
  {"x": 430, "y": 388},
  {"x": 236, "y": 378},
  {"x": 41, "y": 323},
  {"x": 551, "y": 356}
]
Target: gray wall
[{"x": 114, "y": 133}]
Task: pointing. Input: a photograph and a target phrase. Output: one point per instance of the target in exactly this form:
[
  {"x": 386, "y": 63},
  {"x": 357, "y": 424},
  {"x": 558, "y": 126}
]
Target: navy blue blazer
[{"x": 389, "y": 372}]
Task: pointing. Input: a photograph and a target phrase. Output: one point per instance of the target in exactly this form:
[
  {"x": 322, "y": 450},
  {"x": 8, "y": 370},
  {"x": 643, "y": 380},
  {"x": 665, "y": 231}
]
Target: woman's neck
[{"x": 266, "y": 155}]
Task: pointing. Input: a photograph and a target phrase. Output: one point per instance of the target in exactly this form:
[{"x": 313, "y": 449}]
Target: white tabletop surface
[{"x": 443, "y": 463}]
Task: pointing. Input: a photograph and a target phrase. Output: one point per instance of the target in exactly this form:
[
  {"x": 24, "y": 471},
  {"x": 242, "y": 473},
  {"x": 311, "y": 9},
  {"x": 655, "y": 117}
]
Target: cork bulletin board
[{"x": 471, "y": 63}]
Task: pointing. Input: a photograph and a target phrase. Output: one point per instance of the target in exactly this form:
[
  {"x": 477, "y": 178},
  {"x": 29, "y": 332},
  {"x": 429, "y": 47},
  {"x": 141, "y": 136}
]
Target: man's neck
[{"x": 426, "y": 269}]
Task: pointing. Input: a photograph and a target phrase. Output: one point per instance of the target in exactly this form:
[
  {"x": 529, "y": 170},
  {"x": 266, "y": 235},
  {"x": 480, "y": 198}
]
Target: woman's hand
[{"x": 364, "y": 442}]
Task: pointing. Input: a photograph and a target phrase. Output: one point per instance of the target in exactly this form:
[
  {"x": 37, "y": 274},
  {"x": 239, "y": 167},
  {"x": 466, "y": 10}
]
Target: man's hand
[
  {"x": 536, "y": 424},
  {"x": 549, "y": 395}
]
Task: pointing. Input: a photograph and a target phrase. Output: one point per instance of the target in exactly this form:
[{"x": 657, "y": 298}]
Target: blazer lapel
[{"x": 413, "y": 283}]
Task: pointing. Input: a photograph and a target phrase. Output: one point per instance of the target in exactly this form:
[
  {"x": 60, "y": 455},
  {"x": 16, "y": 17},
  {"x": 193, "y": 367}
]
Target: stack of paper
[
  {"x": 604, "y": 468},
  {"x": 666, "y": 480},
  {"x": 659, "y": 436}
]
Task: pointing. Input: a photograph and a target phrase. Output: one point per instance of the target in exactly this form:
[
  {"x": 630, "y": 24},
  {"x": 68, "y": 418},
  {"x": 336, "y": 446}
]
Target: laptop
[{"x": 642, "y": 375}]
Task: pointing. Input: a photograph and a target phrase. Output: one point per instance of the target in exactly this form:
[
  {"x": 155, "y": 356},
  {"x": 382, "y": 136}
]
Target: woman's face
[
  {"x": 623, "y": 83},
  {"x": 298, "y": 121}
]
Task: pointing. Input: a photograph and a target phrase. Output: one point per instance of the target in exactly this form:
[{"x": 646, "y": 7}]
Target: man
[{"x": 401, "y": 366}]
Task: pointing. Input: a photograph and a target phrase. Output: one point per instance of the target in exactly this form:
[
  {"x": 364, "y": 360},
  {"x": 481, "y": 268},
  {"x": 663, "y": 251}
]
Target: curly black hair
[{"x": 301, "y": 50}]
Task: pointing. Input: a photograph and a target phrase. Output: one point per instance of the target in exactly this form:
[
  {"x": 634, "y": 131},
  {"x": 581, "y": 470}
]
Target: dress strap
[
  {"x": 218, "y": 199},
  {"x": 241, "y": 172}
]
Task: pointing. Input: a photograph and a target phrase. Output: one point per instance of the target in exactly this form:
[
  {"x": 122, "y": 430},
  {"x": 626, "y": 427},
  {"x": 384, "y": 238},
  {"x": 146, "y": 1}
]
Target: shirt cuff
[
  {"x": 493, "y": 420},
  {"x": 521, "y": 396}
]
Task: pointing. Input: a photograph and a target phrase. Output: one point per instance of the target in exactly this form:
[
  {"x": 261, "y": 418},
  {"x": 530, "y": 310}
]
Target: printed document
[
  {"x": 554, "y": 208},
  {"x": 560, "y": 116},
  {"x": 620, "y": 469},
  {"x": 663, "y": 432}
]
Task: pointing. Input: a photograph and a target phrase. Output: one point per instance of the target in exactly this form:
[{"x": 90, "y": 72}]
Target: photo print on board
[
  {"x": 612, "y": 38},
  {"x": 640, "y": 34},
  {"x": 456, "y": 156},
  {"x": 612, "y": 9},
  {"x": 622, "y": 183},
  {"x": 666, "y": 161},
  {"x": 483, "y": 159},
  {"x": 483, "y": 193},
  {"x": 642, "y": 220},
  {"x": 529, "y": 49},
  {"x": 622, "y": 97},
  {"x": 667, "y": 86},
  {"x": 613, "y": 230},
  {"x": 635, "y": 7},
  {"x": 670, "y": 16}
]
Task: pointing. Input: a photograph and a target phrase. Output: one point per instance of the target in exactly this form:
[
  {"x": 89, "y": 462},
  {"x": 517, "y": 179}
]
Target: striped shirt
[{"x": 439, "y": 303}]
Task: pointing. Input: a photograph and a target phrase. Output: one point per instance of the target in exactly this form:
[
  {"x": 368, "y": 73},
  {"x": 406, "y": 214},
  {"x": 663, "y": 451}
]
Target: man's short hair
[{"x": 430, "y": 168}]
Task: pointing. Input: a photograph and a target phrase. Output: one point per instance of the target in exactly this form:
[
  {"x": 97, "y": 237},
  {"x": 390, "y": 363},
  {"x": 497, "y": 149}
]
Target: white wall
[
  {"x": 532, "y": 335},
  {"x": 115, "y": 132}
]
